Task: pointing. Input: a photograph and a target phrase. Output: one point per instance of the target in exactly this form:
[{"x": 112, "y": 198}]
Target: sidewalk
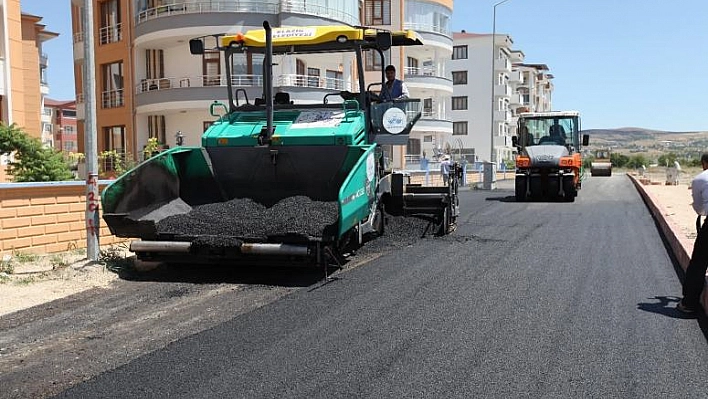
[{"x": 671, "y": 207}]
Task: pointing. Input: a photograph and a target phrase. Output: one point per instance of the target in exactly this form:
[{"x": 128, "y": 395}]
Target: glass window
[
  {"x": 112, "y": 90},
  {"x": 377, "y": 12},
  {"x": 459, "y": 128},
  {"x": 459, "y": 103},
  {"x": 459, "y": 53},
  {"x": 459, "y": 78}
]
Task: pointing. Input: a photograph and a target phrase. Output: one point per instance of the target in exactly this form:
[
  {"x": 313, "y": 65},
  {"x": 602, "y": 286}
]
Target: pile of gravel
[{"x": 220, "y": 222}]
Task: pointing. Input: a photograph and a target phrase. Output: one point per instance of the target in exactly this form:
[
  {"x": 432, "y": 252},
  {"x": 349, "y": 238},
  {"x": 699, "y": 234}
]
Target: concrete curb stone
[{"x": 679, "y": 244}]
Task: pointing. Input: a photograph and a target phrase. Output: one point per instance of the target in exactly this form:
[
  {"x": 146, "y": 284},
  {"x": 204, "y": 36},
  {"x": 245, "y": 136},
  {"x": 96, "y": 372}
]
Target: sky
[{"x": 621, "y": 63}]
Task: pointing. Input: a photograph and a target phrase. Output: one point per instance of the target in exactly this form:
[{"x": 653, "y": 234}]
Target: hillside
[{"x": 639, "y": 140}]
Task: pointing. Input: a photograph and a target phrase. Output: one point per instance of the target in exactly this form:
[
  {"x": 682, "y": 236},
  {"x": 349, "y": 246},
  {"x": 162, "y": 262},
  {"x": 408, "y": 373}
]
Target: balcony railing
[
  {"x": 43, "y": 60},
  {"x": 302, "y": 7},
  {"x": 78, "y": 37},
  {"x": 317, "y": 82},
  {"x": 244, "y": 6},
  {"x": 291, "y": 80},
  {"x": 424, "y": 71},
  {"x": 112, "y": 98},
  {"x": 111, "y": 34},
  {"x": 428, "y": 113},
  {"x": 146, "y": 85},
  {"x": 443, "y": 30}
]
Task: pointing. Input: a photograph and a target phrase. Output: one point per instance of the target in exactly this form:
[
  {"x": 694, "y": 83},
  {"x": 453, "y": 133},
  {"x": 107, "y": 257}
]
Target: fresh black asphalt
[{"x": 538, "y": 299}]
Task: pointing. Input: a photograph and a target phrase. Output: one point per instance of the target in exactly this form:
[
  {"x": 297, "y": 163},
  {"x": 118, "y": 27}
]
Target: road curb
[{"x": 680, "y": 245}]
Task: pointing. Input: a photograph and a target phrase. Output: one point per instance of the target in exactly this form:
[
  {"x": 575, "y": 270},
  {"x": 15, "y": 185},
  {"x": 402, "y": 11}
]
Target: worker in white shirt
[{"x": 695, "y": 276}]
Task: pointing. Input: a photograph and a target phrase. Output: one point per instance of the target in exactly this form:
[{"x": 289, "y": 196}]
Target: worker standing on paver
[{"x": 695, "y": 277}]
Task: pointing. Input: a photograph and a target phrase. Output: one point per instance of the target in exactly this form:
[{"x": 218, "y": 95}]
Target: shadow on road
[
  {"x": 283, "y": 276},
  {"x": 508, "y": 198},
  {"x": 666, "y": 306}
]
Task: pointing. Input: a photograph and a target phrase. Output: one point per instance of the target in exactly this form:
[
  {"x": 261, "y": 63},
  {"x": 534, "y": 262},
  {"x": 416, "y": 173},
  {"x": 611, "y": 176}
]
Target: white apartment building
[
  {"x": 475, "y": 123},
  {"x": 486, "y": 102}
]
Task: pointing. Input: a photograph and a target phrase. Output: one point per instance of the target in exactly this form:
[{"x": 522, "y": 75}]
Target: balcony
[
  {"x": 249, "y": 7},
  {"x": 516, "y": 77},
  {"x": 78, "y": 40},
  {"x": 502, "y": 116},
  {"x": 43, "y": 60},
  {"x": 502, "y": 65},
  {"x": 111, "y": 34},
  {"x": 153, "y": 93},
  {"x": 502, "y": 90},
  {"x": 427, "y": 78},
  {"x": 516, "y": 99},
  {"x": 112, "y": 98},
  {"x": 80, "y": 107}
]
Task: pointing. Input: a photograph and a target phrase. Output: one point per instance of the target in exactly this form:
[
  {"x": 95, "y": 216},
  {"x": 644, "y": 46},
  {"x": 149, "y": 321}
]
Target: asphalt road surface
[{"x": 538, "y": 299}]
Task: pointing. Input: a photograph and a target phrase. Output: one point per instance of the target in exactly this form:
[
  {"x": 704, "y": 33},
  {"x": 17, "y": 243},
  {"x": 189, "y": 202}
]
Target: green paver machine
[{"x": 270, "y": 149}]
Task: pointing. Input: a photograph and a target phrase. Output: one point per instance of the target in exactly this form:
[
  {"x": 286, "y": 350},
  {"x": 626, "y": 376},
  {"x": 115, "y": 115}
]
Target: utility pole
[{"x": 89, "y": 89}]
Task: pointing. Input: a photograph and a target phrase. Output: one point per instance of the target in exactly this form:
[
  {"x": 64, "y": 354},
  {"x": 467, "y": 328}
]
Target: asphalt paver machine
[{"x": 275, "y": 179}]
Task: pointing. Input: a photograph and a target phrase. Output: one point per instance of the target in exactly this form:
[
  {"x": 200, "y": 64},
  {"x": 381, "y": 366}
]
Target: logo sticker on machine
[
  {"x": 394, "y": 120},
  {"x": 280, "y": 33}
]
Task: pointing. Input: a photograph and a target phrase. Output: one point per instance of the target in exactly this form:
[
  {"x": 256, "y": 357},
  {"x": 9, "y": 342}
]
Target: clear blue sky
[{"x": 621, "y": 63}]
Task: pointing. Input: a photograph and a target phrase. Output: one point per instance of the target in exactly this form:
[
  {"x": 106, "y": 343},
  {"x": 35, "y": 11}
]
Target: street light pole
[
  {"x": 493, "y": 153},
  {"x": 89, "y": 90}
]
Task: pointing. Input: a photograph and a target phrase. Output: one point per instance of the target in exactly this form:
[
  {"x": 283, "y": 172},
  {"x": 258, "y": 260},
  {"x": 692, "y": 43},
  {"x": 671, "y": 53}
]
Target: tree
[
  {"x": 619, "y": 160},
  {"x": 637, "y": 161},
  {"x": 32, "y": 162},
  {"x": 667, "y": 159}
]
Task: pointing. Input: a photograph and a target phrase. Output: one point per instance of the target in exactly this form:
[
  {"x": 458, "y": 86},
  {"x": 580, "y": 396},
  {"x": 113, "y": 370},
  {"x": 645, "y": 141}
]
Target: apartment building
[
  {"x": 149, "y": 85},
  {"x": 61, "y": 119},
  {"x": 422, "y": 68},
  {"x": 23, "y": 68},
  {"x": 491, "y": 87}
]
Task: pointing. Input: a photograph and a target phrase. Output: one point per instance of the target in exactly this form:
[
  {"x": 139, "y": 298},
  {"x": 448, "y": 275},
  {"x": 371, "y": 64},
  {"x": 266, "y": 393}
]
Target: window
[
  {"x": 313, "y": 77},
  {"x": 459, "y": 52},
  {"x": 110, "y": 30},
  {"x": 427, "y": 107},
  {"x": 459, "y": 78},
  {"x": 377, "y": 12},
  {"x": 300, "y": 72},
  {"x": 372, "y": 61},
  {"x": 154, "y": 64},
  {"x": 156, "y": 128},
  {"x": 412, "y": 66},
  {"x": 459, "y": 103},
  {"x": 206, "y": 125},
  {"x": 428, "y": 139},
  {"x": 69, "y": 146},
  {"x": 113, "y": 140},
  {"x": 413, "y": 147},
  {"x": 335, "y": 80},
  {"x": 112, "y": 90},
  {"x": 69, "y": 130},
  {"x": 211, "y": 68},
  {"x": 68, "y": 113},
  {"x": 459, "y": 128}
]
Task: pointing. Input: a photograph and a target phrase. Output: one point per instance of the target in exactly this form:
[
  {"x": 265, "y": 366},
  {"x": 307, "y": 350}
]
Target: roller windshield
[{"x": 549, "y": 131}]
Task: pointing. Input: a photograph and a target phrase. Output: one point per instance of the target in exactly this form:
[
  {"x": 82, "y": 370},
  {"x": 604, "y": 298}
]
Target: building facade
[
  {"x": 492, "y": 85},
  {"x": 61, "y": 116},
  {"x": 23, "y": 72},
  {"x": 150, "y": 86}
]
